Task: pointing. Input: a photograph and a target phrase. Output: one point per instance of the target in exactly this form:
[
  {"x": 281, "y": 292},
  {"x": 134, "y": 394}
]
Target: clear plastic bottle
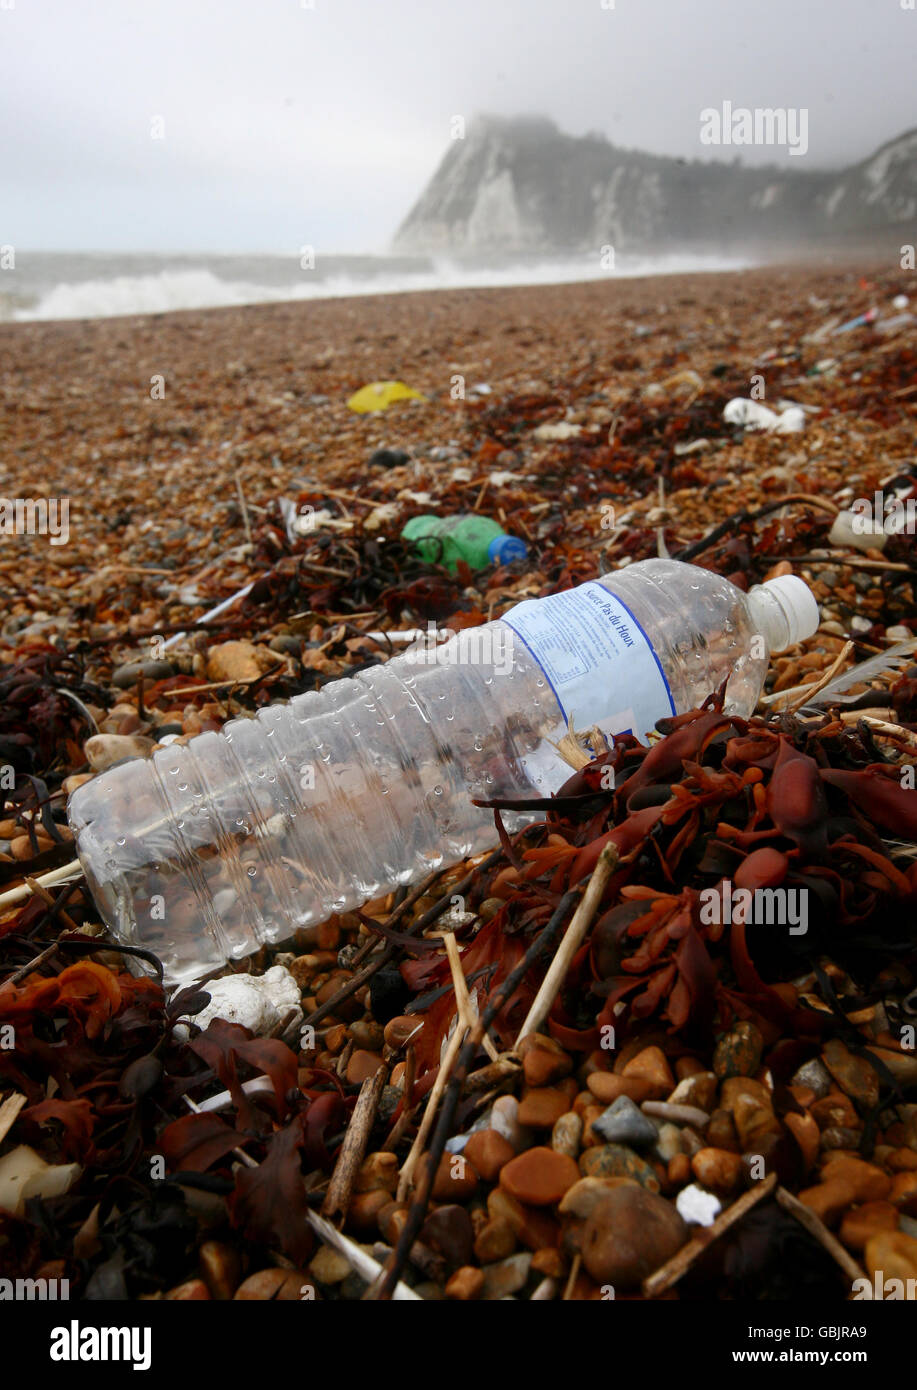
[{"x": 209, "y": 848}]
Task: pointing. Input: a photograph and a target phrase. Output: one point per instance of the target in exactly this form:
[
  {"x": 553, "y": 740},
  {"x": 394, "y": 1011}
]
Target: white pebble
[
  {"x": 697, "y": 1206},
  {"x": 853, "y": 529}
]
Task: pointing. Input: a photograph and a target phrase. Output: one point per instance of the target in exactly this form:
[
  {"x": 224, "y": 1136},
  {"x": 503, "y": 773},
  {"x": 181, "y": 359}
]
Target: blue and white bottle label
[{"x": 597, "y": 658}]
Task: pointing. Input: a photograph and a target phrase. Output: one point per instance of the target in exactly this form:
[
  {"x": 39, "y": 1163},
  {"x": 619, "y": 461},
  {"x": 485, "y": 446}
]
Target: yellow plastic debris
[{"x": 378, "y": 395}]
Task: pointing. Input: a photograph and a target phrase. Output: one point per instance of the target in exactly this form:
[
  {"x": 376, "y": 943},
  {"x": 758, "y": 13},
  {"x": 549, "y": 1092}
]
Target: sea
[{"x": 105, "y": 284}]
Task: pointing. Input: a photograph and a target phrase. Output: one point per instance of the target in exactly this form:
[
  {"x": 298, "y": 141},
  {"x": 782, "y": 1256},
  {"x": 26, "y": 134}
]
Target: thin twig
[
  {"x": 24, "y": 970},
  {"x": 817, "y": 1228},
  {"x": 234, "y": 684},
  {"x": 571, "y": 1281},
  {"x": 415, "y": 929},
  {"x": 407, "y": 1110},
  {"x": 352, "y": 1150},
  {"x": 359, "y": 1260},
  {"x": 42, "y": 892},
  {"x": 808, "y": 691},
  {"x": 22, "y": 890},
  {"x": 728, "y": 526},
  {"x": 670, "y": 1273},
  {"x": 245, "y": 517},
  {"x": 416, "y": 892},
  {"x": 383, "y": 1288},
  {"x": 429, "y": 1114},
  {"x": 571, "y": 943},
  {"x": 466, "y": 1010},
  {"x": 833, "y": 558}
]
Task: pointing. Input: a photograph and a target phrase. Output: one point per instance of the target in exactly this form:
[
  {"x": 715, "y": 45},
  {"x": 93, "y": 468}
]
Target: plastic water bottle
[
  {"x": 479, "y": 541},
  {"x": 209, "y": 848}
]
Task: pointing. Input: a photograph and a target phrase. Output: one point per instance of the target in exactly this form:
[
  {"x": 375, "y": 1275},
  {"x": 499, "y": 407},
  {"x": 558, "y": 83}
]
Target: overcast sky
[{"x": 287, "y": 125}]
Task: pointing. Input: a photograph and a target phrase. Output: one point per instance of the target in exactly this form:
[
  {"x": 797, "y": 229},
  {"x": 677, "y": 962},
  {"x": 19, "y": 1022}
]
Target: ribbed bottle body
[{"x": 315, "y": 805}]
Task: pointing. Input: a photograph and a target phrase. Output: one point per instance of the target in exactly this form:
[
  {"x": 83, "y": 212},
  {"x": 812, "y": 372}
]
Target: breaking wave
[{"x": 172, "y": 289}]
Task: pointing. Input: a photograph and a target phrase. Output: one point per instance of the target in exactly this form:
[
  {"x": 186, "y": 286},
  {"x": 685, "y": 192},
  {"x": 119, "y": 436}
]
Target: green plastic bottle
[{"x": 479, "y": 541}]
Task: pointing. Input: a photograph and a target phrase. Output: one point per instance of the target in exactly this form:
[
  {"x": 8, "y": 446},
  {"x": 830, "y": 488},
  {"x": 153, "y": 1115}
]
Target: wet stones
[
  {"x": 567, "y": 1134},
  {"x": 539, "y": 1177},
  {"x": 630, "y": 1233},
  {"x": 488, "y": 1151},
  {"x": 126, "y": 676},
  {"x": 738, "y": 1052},
  {"x": 853, "y": 1074},
  {"x": 618, "y": 1161},
  {"x": 624, "y": 1123},
  {"x": 542, "y": 1107},
  {"x": 543, "y": 1060},
  {"x": 104, "y": 750}
]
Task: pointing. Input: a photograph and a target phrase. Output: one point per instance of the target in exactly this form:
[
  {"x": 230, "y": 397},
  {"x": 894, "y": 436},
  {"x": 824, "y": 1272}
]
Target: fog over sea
[{"x": 104, "y": 284}]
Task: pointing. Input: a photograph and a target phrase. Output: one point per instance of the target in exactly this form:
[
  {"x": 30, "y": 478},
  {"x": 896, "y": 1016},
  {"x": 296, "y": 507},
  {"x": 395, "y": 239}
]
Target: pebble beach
[{"x": 752, "y": 1088}]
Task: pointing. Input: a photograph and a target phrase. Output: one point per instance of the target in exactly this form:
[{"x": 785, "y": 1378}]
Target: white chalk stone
[
  {"x": 697, "y": 1206},
  {"x": 857, "y": 531},
  {"x": 257, "y": 1002}
]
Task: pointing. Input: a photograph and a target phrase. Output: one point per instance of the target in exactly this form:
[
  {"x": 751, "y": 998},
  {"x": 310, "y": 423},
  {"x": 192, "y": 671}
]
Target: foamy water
[{"x": 86, "y": 286}]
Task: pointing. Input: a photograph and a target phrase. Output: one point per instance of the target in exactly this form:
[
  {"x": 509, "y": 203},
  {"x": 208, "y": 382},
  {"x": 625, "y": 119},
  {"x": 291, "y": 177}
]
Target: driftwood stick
[
  {"x": 46, "y": 898},
  {"x": 670, "y": 1273},
  {"x": 416, "y": 892},
  {"x": 359, "y": 1261},
  {"x": 817, "y": 1228},
  {"x": 573, "y": 939},
  {"x": 22, "y": 890},
  {"x": 494, "y": 1075},
  {"x": 571, "y": 1280},
  {"x": 729, "y": 526},
  {"x": 429, "y": 1114},
  {"x": 808, "y": 691},
  {"x": 337, "y": 1198},
  {"x": 31, "y": 965},
  {"x": 466, "y": 1010},
  {"x": 407, "y": 1109}
]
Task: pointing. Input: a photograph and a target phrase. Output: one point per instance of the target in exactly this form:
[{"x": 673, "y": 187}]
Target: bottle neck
[{"x": 769, "y": 618}]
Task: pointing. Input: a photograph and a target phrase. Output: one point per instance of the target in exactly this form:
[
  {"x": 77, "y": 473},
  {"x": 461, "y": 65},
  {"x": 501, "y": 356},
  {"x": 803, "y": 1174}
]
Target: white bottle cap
[{"x": 798, "y": 605}]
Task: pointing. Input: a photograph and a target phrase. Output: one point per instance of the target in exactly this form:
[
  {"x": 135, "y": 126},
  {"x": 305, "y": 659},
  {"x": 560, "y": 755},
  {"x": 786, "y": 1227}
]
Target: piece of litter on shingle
[{"x": 697, "y": 1206}]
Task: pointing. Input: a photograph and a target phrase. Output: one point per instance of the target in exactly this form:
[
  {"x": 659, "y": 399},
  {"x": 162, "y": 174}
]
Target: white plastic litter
[
  {"x": 854, "y": 529},
  {"x": 752, "y": 415},
  {"x": 562, "y": 430},
  {"x": 258, "y": 1002},
  {"x": 224, "y": 1098},
  {"x": 697, "y": 1206},
  {"x": 24, "y": 1174},
  {"x": 302, "y": 521}
]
